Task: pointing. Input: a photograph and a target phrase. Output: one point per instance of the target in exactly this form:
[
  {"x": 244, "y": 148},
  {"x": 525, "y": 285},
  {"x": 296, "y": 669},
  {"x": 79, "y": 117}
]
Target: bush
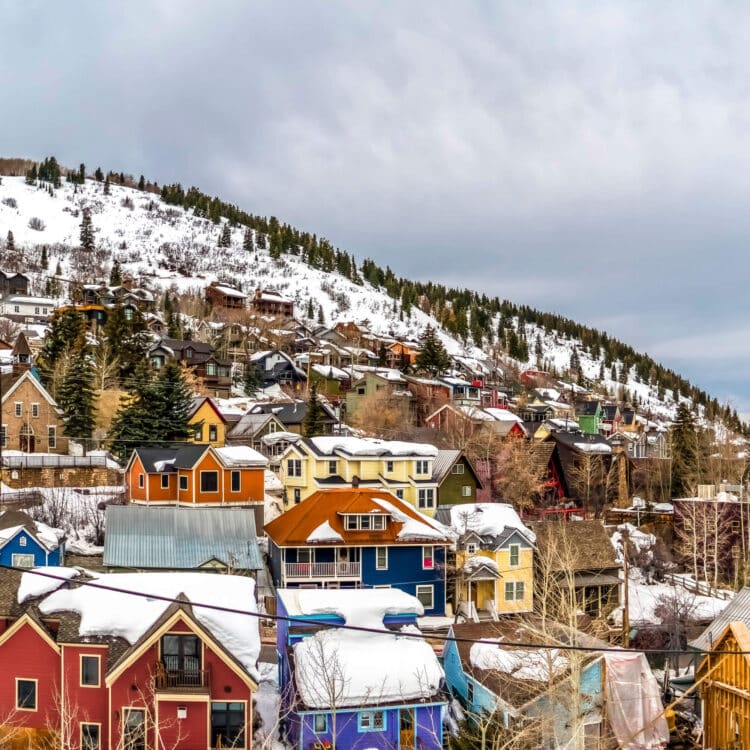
[
  {"x": 36, "y": 224},
  {"x": 10, "y": 202},
  {"x": 127, "y": 202}
]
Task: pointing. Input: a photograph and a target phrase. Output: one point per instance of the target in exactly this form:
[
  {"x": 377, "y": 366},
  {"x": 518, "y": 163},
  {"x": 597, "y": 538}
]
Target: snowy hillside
[{"x": 168, "y": 247}]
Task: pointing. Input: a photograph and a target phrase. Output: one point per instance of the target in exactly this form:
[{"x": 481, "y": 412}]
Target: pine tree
[
  {"x": 44, "y": 262},
  {"x": 10, "y": 243},
  {"x": 142, "y": 183},
  {"x": 313, "y": 423},
  {"x": 684, "y": 437},
  {"x": 106, "y": 185},
  {"x": 75, "y": 396},
  {"x": 310, "y": 310},
  {"x": 115, "y": 275},
  {"x": 66, "y": 328},
  {"x": 433, "y": 358},
  {"x": 31, "y": 175},
  {"x": 58, "y": 269},
  {"x": 252, "y": 379},
  {"x": 82, "y": 173},
  {"x": 321, "y": 315},
  {"x": 173, "y": 403},
  {"x": 225, "y": 238},
  {"x": 247, "y": 240},
  {"x": 99, "y": 175},
  {"x": 87, "y": 231},
  {"x": 128, "y": 338}
]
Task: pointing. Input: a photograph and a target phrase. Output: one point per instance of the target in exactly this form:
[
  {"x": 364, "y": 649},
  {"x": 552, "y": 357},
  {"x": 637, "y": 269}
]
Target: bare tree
[
  {"x": 383, "y": 415},
  {"x": 518, "y": 480}
]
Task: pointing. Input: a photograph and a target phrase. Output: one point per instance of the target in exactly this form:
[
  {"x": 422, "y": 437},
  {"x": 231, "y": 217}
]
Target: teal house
[{"x": 590, "y": 416}]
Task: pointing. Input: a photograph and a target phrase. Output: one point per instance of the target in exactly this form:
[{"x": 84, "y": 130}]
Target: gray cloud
[{"x": 588, "y": 158}]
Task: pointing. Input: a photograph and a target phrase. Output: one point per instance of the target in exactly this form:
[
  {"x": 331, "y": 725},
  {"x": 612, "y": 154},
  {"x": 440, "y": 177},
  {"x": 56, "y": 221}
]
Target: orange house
[{"x": 196, "y": 475}]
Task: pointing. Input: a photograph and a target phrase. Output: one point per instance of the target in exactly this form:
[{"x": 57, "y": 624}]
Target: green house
[
  {"x": 589, "y": 414},
  {"x": 456, "y": 478}
]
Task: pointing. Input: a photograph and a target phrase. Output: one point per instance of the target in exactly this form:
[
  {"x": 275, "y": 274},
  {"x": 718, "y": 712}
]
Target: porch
[{"x": 303, "y": 571}]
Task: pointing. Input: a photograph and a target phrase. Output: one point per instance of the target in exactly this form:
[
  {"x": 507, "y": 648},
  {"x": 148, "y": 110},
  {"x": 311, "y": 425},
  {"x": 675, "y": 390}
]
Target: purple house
[{"x": 344, "y": 688}]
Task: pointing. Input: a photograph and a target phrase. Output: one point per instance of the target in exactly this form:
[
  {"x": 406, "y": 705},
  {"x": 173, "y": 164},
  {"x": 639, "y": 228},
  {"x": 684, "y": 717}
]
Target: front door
[
  {"x": 181, "y": 655},
  {"x": 27, "y": 442},
  {"x": 406, "y": 728}
]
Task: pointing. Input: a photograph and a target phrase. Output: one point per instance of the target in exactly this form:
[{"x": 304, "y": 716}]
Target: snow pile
[
  {"x": 33, "y": 584},
  {"x": 364, "y": 668},
  {"x": 488, "y": 519},
  {"x": 478, "y": 561},
  {"x": 638, "y": 540},
  {"x": 241, "y": 455},
  {"x": 271, "y": 482},
  {"x": 324, "y": 533},
  {"x": 353, "y": 605},
  {"x": 539, "y": 665},
  {"x": 593, "y": 447},
  {"x": 372, "y": 447},
  {"x": 111, "y": 613},
  {"x": 421, "y": 527}
]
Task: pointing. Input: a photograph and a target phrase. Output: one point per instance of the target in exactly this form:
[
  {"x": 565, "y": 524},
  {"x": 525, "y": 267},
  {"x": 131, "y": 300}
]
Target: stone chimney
[{"x": 355, "y": 481}]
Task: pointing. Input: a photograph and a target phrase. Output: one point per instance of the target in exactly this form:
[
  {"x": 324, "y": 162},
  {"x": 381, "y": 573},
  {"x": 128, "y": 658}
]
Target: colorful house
[
  {"x": 494, "y": 560},
  {"x": 214, "y": 373},
  {"x": 528, "y": 689},
  {"x": 25, "y": 543},
  {"x": 355, "y": 538},
  {"x": 348, "y": 689},
  {"x": 319, "y": 463},
  {"x": 90, "y": 668},
  {"x": 368, "y": 382},
  {"x": 457, "y": 481},
  {"x": 207, "y": 422},
  {"x": 590, "y": 417},
  {"x": 195, "y": 475}
]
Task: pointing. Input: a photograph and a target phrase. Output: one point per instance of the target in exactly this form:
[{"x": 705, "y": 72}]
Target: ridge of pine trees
[{"x": 466, "y": 314}]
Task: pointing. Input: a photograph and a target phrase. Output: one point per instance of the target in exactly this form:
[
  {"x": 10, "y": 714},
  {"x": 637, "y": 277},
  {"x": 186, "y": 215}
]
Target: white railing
[
  {"x": 469, "y": 611},
  {"x": 489, "y": 605},
  {"x": 322, "y": 570}
]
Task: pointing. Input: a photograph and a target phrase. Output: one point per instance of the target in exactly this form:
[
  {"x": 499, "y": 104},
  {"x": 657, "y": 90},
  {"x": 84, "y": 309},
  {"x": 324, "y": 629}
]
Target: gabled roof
[
  {"x": 29, "y": 376},
  {"x": 444, "y": 462},
  {"x": 407, "y": 525},
  {"x": 737, "y": 609},
  {"x": 158, "y": 460},
  {"x": 588, "y": 541},
  {"x": 356, "y": 448},
  {"x": 741, "y": 633},
  {"x": 291, "y": 413},
  {"x": 588, "y": 408},
  {"x": 172, "y": 538},
  {"x": 250, "y": 424},
  {"x": 198, "y": 401}
]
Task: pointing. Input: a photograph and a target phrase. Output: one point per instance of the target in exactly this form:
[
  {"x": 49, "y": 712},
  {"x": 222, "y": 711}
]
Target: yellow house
[
  {"x": 494, "y": 560},
  {"x": 405, "y": 469},
  {"x": 207, "y": 423}
]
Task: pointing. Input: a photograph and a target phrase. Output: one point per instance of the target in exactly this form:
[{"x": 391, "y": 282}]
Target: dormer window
[
  {"x": 368, "y": 522},
  {"x": 471, "y": 548},
  {"x": 422, "y": 467}
]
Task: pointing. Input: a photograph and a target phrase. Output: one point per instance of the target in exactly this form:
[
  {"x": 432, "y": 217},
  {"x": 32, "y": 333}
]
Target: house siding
[{"x": 32, "y": 547}]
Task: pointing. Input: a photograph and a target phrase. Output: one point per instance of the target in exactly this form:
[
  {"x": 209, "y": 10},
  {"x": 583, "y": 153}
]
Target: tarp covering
[{"x": 634, "y": 707}]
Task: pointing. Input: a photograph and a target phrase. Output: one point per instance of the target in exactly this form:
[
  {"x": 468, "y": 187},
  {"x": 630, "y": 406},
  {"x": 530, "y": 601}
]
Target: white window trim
[
  {"x": 183, "y": 483},
  {"x": 378, "y": 566},
  {"x": 432, "y": 556},
  {"x": 35, "y": 409},
  {"x": 165, "y": 485},
  {"x": 18, "y": 408},
  {"x": 425, "y": 588},
  {"x": 51, "y": 436},
  {"x": 238, "y": 473},
  {"x": 141, "y": 482},
  {"x": 458, "y": 469},
  {"x": 200, "y": 482},
  {"x": 517, "y": 547},
  {"x": 17, "y": 559}
]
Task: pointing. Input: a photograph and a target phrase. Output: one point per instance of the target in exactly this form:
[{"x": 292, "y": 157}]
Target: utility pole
[{"x": 626, "y": 597}]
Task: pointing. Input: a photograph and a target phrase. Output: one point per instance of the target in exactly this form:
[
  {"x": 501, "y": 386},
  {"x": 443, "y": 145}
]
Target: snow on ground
[
  {"x": 105, "y": 612},
  {"x": 267, "y": 705},
  {"x": 539, "y": 665}
]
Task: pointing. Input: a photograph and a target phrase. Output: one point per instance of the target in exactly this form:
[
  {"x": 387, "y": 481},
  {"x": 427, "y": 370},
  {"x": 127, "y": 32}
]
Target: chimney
[{"x": 355, "y": 481}]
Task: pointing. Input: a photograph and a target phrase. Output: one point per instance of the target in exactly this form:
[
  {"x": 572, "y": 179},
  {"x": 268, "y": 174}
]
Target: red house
[{"x": 94, "y": 669}]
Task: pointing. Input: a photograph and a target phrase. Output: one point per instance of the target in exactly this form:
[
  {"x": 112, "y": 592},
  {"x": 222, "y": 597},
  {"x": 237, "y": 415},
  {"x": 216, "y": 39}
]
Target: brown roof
[
  {"x": 11, "y": 518},
  {"x": 294, "y": 527},
  {"x": 590, "y": 546},
  {"x": 540, "y": 458}
]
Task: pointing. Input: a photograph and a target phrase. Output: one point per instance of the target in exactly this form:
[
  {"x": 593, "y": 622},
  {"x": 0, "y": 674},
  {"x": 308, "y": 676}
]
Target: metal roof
[
  {"x": 180, "y": 538},
  {"x": 443, "y": 462},
  {"x": 737, "y": 609}
]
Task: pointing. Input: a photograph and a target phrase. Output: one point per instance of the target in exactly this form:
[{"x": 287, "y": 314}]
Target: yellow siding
[{"x": 208, "y": 416}]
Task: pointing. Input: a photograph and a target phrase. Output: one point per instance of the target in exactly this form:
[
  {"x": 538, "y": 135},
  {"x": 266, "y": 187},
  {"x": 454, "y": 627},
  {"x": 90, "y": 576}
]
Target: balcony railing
[
  {"x": 181, "y": 679},
  {"x": 331, "y": 570}
]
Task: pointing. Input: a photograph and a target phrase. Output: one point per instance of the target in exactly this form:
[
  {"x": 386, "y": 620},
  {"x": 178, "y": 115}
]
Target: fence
[
  {"x": 51, "y": 461},
  {"x": 697, "y": 587}
]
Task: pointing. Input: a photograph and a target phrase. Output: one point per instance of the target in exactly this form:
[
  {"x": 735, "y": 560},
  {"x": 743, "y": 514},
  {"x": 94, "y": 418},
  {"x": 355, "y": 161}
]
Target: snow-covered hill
[{"x": 170, "y": 247}]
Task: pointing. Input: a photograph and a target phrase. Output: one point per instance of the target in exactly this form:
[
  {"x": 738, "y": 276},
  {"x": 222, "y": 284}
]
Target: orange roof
[{"x": 406, "y": 524}]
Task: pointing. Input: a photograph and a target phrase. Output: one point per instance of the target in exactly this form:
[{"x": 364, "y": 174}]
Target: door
[
  {"x": 406, "y": 728},
  {"x": 26, "y": 441},
  {"x": 181, "y": 655}
]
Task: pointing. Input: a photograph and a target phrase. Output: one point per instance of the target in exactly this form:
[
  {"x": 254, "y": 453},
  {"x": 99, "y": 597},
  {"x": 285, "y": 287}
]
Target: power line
[{"x": 364, "y": 629}]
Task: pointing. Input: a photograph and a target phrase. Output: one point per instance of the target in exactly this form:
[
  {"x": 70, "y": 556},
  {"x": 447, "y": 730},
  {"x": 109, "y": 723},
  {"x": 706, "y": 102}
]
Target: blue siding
[
  {"x": 458, "y": 681},
  {"x": 275, "y": 562},
  {"x": 14, "y": 546}
]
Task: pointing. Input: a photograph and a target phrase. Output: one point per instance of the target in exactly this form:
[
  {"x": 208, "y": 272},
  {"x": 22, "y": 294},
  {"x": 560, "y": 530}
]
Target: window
[
  {"x": 90, "y": 737},
  {"x": 210, "y": 369},
  {"x": 361, "y": 391},
  {"x": 22, "y": 541},
  {"x": 371, "y": 721},
  {"x": 52, "y": 436},
  {"x": 422, "y": 467},
  {"x": 213, "y": 433},
  {"x": 381, "y": 558},
  {"x": 181, "y": 659},
  {"x": 333, "y": 467},
  {"x": 90, "y": 671},
  {"x": 198, "y": 434},
  {"x": 364, "y": 523},
  {"x": 22, "y": 561},
  {"x": 470, "y": 691},
  {"x": 297, "y": 495},
  {"x": 36, "y": 311},
  {"x": 305, "y": 555},
  {"x": 426, "y": 498},
  {"x": 352, "y": 523},
  {"x": 458, "y": 469},
  {"x": 35, "y": 410},
  {"x": 466, "y": 490},
  {"x": 183, "y": 483},
  {"x": 378, "y": 523},
  {"x": 426, "y": 595},
  {"x": 26, "y": 695},
  {"x": 16, "y": 308},
  {"x": 389, "y": 467},
  {"x": 134, "y": 728},
  {"x": 428, "y": 558},
  {"x": 294, "y": 467},
  {"x": 165, "y": 481},
  {"x": 141, "y": 481},
  {"x": 400, "y": 494},
  {"x": 209, "y": 481},
  {"x": 45, "y": 311},
  {"x": 18, "y": 407},
  {"x": 320, "y": 723},
  {"x": 235, "y": 481},
  {"x": 515, "y": 552},
  {"x": 471, "y": 548},
  {"x": 188, "y": 353},
  {"x": 514, "y": 591}
]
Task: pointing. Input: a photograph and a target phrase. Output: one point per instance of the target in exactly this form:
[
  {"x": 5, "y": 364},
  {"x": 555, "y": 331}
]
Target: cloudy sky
[{"x": 587, "y": 158}]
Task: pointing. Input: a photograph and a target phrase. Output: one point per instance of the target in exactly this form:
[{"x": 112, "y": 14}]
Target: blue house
[
  {"x": 529, "y": 687},
  {"x": 25, "y": 543},
  {"x": 347, "y": 689},
  {"x": 360, "y": 538}
]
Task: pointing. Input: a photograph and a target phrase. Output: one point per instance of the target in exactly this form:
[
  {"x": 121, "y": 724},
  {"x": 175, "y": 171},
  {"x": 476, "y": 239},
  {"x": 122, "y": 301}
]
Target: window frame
[
  {"x": 378, "y": 522},
  {"x": 470, "y": 691},
  {"x": 389, "y": 467},
  {"x": 235, "y": 474},
  {"x": 18, "y": 408},
  {"x": 378, "y": 552},
  {"x": 213, "y": 433},
  {"x": 33, "y": 681},
  {"x": 514, "y": 550},
  {"x": 81, "y": 682},
  {"x": 426, "y": 498},
  {"x": 198, "y": 434},
  {"x": 165, "y": 484},
  {"x": 422, "y": 467},
  {"x": 35, "y": 410},
  {"x": 141, "y": 481},
  {"x": 294, "y": 467},
  {"x": 425, "y": 588},
  {"x": 205, "y": 472},
  {"x": 315, "y": 718},
  {"x": 428, "y": 560},
  {"x": 86, "y": 745},
  {"x": 370, "y": 726},
  {"x": 15, "y": 562},
  {"x": 333, "y": 467},
  {"x": 471, "y": 548},
  {"x": 124, "y": 713},
  {"x": 465, "y": 490},
  {"x": 51, "y": 436},
  {"x": 458, "y": 469},
  {"x": 297, "y": 495},
  {"x": 183, "y": 483}
]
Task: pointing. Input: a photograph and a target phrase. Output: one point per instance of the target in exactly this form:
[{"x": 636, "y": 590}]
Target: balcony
[
  {"x": 181, "y": 680},
  {"x": 322, "y": 571}
]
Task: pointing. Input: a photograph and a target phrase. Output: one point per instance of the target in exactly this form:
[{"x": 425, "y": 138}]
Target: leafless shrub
[{"x": 36, "y": 224}]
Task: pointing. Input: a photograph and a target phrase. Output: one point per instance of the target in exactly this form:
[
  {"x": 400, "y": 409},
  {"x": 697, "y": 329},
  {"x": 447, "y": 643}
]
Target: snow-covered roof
[
  {"x": 540, "y": 665},
  {"x": 347, "y": 602},
  {"x": 228, "y": 291},
  {"x": 334, "y": 373},
  {"x": 354, "y": 446},
  {"x": 419, "y": 527},
  {"x": 324, "y": 533},
  {"x": 488, "y": 519},
  {"x": 241, "y": 455},
  {"x": 45, "y": 301}
]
